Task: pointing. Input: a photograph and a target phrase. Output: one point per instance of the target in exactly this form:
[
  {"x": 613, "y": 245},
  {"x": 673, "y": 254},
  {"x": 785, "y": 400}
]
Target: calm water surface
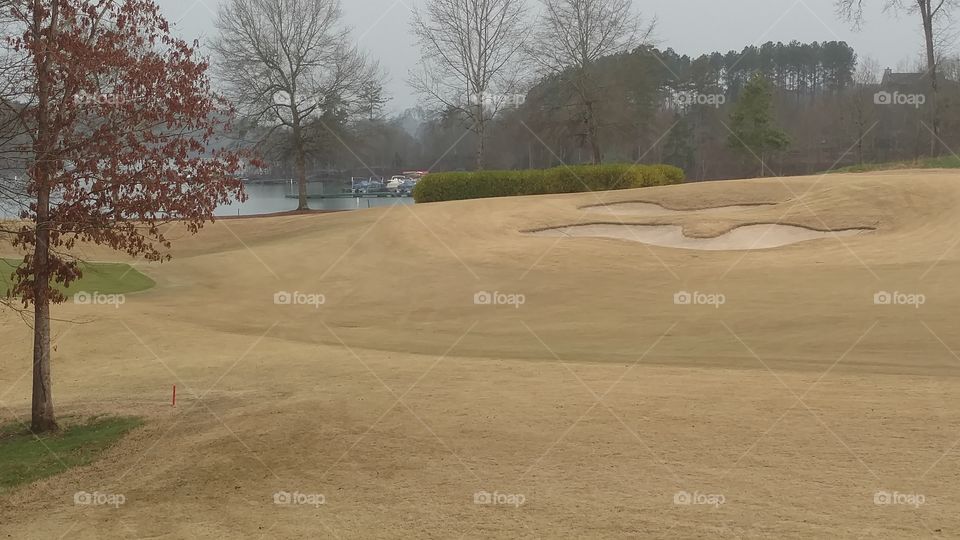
[
  {"x": 270, "y": 198},
  {"x": 266, "y": 199}
]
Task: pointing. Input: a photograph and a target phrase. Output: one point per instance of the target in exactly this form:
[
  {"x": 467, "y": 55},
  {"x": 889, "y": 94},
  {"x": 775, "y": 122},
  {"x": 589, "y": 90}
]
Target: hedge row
[{"x": 452, "y": 186}]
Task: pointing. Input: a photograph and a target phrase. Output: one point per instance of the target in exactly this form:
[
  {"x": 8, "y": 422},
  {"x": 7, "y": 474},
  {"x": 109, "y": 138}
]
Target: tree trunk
[
  {"x": 300, "y": 165},
  {"x": 480, "y": 151},
  {"x": 858, "y": 104},
  {"x": 586, "y": 104},
  {"x": 41, "y": 412},
  {"x": 928, "y": 34},
  {"x": 481, "y": 135},
  {"x": 860, "y": 147},
  {"x": 592, "y": 134}
]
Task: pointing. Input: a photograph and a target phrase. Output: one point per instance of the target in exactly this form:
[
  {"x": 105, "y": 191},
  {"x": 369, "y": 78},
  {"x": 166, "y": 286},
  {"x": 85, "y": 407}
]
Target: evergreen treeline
[
  {"x": 801, "y": 68},
  {"x": 658, "y": 106}
]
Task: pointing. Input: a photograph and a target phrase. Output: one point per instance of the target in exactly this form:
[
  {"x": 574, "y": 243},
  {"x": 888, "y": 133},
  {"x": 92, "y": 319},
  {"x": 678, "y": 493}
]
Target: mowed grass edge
[
  {"x": 945, "y": 162},
  {"x": 26, "y": 457},
  {"x": 105, "y": 278}
]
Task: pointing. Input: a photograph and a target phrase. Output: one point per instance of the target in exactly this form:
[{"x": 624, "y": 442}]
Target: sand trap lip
[
  {"x": 644, "y": 208},
  {"x": 744, "y": 237}
]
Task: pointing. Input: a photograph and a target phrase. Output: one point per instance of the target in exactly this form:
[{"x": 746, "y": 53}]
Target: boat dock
[{"x": 371, "y": 195}]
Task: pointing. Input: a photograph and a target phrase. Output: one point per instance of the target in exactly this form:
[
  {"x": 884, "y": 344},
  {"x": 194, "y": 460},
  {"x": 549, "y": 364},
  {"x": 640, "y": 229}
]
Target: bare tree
[
  {"x": 934, "y": 16},
  {"x": 572, "y": 35},
  {"x": 14, "y": 70},
  {"x": 470, "y": 58},
  {"x": 287, "y": 61},
  {"x": 868, "y": 72},
  {"x": 865, "y": 81},
  {"x": 950, "y": 68}
]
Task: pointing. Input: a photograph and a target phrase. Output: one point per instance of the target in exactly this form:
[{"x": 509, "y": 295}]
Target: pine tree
[
  {"x": 679, "y": 148},
  {"x": 752, "y": 124}
]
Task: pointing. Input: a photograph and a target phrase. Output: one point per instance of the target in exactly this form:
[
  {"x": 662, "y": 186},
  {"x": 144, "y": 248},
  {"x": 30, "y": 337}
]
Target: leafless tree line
[
  {"x": 289, "y": 62},
  {"x": 14, "y": 67},
  {"x": 470, "y": 58},
  {"x": 936, "y": 18},
  {"x": 474, "y": 53}
]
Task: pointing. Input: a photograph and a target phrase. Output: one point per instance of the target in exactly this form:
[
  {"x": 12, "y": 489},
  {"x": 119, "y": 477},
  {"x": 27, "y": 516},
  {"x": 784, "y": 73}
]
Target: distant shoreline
[
  {"x": 246, "y": 216},
  {"x": 284, "y": 213}
]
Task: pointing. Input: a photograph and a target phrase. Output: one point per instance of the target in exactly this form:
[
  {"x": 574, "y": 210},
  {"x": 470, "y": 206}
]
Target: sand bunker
[
  {"x": 653, "y": 209},
  {"x": 763, "y": 236}
]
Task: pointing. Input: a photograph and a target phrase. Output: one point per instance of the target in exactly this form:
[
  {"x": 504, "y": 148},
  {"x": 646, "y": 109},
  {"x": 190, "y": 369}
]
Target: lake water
[
  {"x": 271, "y": 198},
  {"x": 268, "y": 199}
]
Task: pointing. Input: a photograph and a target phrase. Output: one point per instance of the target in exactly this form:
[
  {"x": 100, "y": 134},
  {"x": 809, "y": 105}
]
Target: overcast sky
[{"x": 692, "y": 27}]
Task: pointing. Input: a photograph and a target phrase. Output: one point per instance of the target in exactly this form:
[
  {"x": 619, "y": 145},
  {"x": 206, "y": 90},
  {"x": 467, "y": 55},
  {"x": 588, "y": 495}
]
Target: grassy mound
[
  {"x": 946, "y": 162},
  {"x": 25, "y": 457},
  {"x": 106, "y": 278},
  {"x": 453, "y": 186}
]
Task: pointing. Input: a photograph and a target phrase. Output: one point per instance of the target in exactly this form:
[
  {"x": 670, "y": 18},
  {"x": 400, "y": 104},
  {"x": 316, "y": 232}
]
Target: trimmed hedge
[{"x": 452, "y": 186}]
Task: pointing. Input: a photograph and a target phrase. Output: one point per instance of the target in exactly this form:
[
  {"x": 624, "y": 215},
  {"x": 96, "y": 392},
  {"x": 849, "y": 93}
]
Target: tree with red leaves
[{"x": 117, "y": 118}]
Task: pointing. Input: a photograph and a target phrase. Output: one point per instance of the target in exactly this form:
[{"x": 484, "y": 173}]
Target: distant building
[
  {"x": 910, "y": 81},
  {"x": 903, "y": 107}
]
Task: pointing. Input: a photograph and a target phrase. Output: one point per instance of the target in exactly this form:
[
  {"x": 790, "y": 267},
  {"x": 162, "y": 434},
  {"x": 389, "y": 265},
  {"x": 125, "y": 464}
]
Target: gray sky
[{"x": 688, "y": 26}]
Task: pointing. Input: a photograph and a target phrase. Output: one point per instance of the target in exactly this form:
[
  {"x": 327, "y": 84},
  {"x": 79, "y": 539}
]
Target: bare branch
[
  {"x": 470, "y": 58},
  {"x": 286, "y": 61}
]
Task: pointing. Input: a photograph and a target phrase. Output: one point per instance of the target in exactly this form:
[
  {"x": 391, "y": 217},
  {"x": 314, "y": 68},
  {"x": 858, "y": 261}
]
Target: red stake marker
[{"x": 174, "y": 396}]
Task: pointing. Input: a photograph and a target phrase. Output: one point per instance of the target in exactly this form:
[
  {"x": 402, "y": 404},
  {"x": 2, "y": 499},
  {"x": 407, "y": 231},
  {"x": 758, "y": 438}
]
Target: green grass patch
[
  {"x": 25, "y": 457},
  {"x": 946, "y": 162},
  {"x": 105, "y": 278}
]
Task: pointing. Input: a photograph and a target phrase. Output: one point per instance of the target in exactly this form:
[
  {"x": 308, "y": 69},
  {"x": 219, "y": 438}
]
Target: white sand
[
  {"x": 653, "y": 209},
  {"x": 747, "y": 237}
]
